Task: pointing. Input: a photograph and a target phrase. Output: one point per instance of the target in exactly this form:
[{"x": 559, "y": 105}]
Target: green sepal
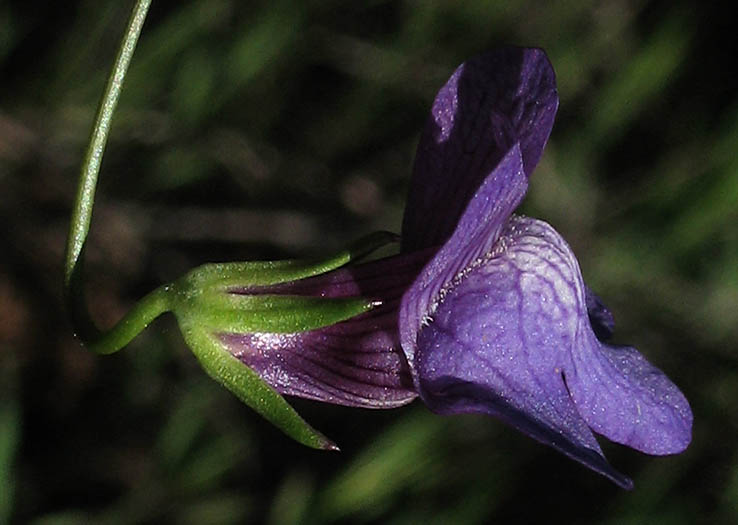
[
  {"x": 265, "y": 273},
  {"x": 213, "y": 299},
  {"x": 283, "y": 314},
  {"x": 247, "y": 386}
]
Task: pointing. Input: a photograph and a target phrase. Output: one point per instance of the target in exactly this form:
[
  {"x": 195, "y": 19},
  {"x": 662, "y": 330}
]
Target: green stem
[
  {"x": 134, "y": 322},
  {"x": 82, "y": 210}
]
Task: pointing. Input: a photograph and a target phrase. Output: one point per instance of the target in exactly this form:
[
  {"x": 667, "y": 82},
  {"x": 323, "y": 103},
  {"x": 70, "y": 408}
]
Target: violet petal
[
  {"x": 512, "y": 338},
  {"x": 540, "y": 408},
  {"x": 490, "y": 102},
  {"x": 627, "y": 399},
  {"x": 354, "y": 363},
  {"x": 617, "y": 391},
  {"x": 475, "y": 235}
]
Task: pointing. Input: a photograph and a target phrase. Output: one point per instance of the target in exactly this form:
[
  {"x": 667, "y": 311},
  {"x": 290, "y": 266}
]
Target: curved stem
[
  {"x": 82, "y": 210},
  {"x": 133, "y": 323}
]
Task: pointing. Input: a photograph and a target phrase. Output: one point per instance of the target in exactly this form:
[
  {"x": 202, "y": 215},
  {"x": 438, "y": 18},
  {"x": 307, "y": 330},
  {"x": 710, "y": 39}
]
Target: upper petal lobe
[
  {"x": 475, "y": 235},
  {"x": 490, "y": 103}
]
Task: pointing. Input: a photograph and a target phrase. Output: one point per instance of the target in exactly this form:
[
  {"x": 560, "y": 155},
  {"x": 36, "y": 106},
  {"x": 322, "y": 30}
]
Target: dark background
[{"x": 255, "y": 130}]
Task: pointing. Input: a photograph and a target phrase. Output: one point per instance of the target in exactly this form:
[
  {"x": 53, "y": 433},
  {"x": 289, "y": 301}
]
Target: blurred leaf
[
  {"x": 162, "y": 45},
  {"x": 63, "y": 518},
  {"x": 10, "y": 431},
  {"x": 220, "y": 509},
  {"x": 643, "y": 78},
  {"x": 209, "y": 464},
  {"x": 8, "y": 37},
  {"x": 195, "y": 82},
  {"x": 178, "y": 168},
  {"x": 290, "y": 504},
  {"x": 177, "y": 438},
  {"x": 260, "y": 43},
  {"x": 399, "y": 457},
  {"x": 730, "y": 494}
]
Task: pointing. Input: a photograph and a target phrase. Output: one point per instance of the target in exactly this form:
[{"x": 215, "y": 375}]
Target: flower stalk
[{"x": 82, "y": 210}]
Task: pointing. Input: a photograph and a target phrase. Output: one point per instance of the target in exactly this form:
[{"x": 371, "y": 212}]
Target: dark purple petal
[
  {"x": 474, "y": 237},
  {"x": 512, "y": 338},
  {"x": 354, "y": 363},
  {"x": 490, "y": 103},
  {"x": 357, "y": 362}
]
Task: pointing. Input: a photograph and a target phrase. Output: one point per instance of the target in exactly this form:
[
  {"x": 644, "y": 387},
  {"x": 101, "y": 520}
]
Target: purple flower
[{"x": 483, "y": 311}]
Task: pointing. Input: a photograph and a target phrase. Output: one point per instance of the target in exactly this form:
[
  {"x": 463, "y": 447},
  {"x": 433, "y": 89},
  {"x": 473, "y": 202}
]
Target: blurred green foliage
[{"x": 251, "y": 130}]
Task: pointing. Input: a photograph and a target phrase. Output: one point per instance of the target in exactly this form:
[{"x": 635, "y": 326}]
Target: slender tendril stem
[
  {"x": 133, "y": 323},
  {"x": 82, "y": 210}
]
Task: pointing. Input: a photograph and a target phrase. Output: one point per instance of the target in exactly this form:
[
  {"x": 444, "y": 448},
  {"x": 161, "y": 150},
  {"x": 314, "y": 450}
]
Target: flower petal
[
  {"x": 512, "y": 338},
  {"x": 539, "y": 408},
  {"x": 490, "y": 102},
  {"x": 354, "y": 363},
  {"x": 496, "y": 344},
  {"x": 357, "y": 362},
  {"x": 475, "y": 235},
  {"x": 617, "y": 391},
  {"x": 627, "y": 399}
]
